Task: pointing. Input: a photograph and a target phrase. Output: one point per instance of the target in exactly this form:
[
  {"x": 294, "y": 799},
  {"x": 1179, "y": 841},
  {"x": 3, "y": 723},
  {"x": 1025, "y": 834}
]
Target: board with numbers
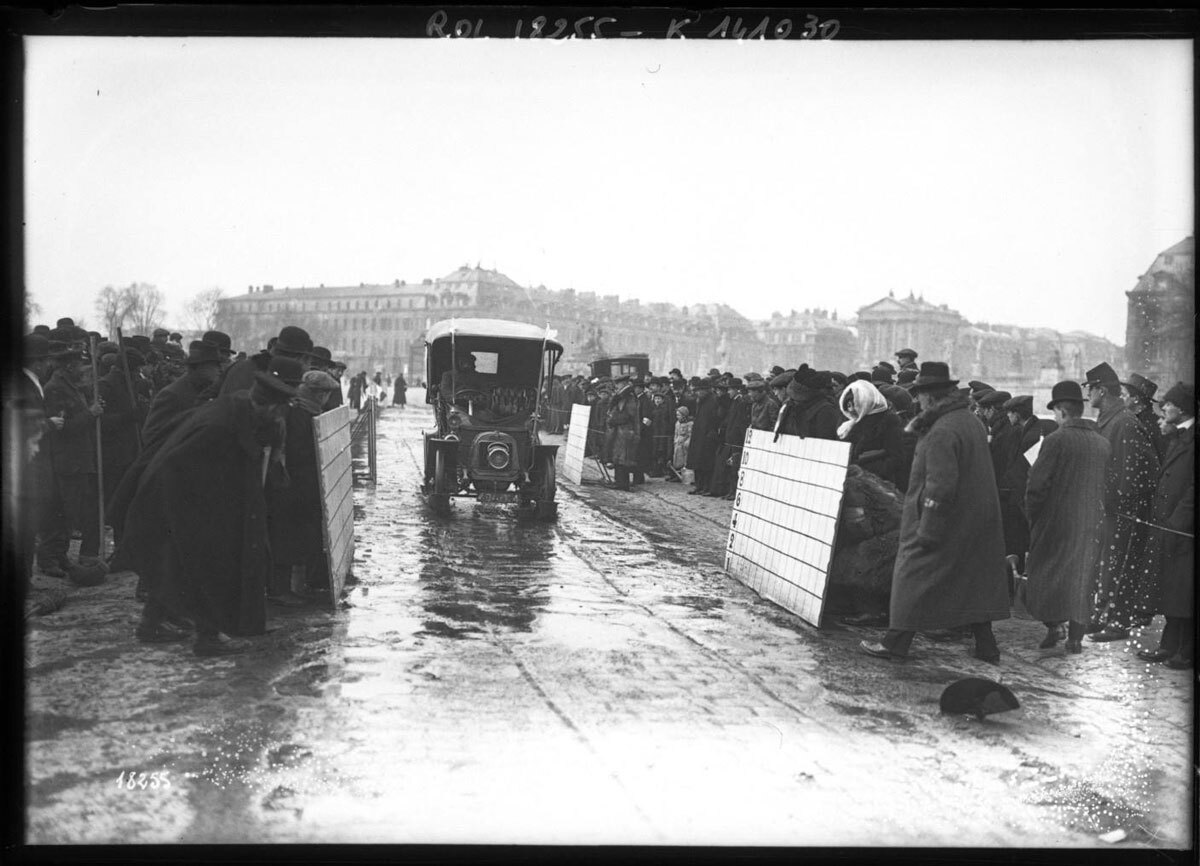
[{"x": 784, "y": 521}]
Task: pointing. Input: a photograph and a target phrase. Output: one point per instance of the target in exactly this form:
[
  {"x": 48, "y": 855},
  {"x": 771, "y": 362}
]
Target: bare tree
[
  {"x": 115, "y": 307},
  {"x": 201, "y": 310},
  {"x": 147, "y": 314},
  {"x": 32, "y": 308}
]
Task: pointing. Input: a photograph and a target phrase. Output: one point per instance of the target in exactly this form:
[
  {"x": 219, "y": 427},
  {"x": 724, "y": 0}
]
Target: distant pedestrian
[
  {"x": 400, "y": 391},
  {"x": 950, "y": 569},
  {"x": 1064, "y": 501}
]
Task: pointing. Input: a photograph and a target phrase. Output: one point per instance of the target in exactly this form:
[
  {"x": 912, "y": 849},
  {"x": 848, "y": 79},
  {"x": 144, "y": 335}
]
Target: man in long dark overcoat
[
  {"x": 1126, "y": 581},
  {"x": 624, "y": 428},
  {"x": 702, "y": 449},
  {"x": 1064, "y": 501},
  {"x": 1013, "y": 478},
  {"x": 1173, "y": 542},
  {"x": 197, "y": 527},
  {"x": 950, "y": 568}
]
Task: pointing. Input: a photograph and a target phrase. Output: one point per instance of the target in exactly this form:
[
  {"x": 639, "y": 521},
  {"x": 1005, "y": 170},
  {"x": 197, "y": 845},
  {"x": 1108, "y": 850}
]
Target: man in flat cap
[
  {"x": 949, "y": 569},
  {"x": 1064, "y": 501},
  {"x": 906, "y": 359},
  {"x": 197, "y": 527},
  {"x": 1125, "y": 578},
  {"x": 1173, "y": 535}
]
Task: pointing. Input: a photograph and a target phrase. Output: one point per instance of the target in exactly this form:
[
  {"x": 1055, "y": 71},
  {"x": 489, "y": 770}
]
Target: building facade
[
  {"x": 1160, "y": 323},
  {"x": 382, "y": 326},
  {"x": 813, "y": 337}
]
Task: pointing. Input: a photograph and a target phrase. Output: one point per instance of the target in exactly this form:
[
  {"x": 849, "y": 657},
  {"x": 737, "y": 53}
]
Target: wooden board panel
[
  {"x": 784, "y": 521},
  {"x": 576, "y": 442},
  {"x": 331, "y": 432}
]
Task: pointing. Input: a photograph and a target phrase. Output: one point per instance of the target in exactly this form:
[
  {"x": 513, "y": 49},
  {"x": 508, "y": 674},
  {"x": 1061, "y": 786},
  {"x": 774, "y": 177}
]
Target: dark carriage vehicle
[
  {"x": 637, "y": 364},
  {"x": 485, "y": 379}
]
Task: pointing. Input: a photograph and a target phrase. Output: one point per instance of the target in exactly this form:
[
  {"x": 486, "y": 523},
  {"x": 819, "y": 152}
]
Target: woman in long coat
[
  {"x": 874, "y": 432},
  {"x": 950, "y": 568},
  {"x": 1064, "y": 501},
  {"x": 624, "y": 426}
]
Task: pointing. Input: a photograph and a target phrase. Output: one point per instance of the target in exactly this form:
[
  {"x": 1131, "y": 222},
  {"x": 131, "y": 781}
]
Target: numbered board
[
  {"x": 331, "y": 431},
  {"x": 784, "y": 521},
  {"x": 576, "y": 443}
]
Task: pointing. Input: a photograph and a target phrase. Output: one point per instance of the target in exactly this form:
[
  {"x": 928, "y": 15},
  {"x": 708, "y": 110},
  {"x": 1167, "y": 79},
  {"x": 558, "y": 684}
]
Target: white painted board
[
  {"x": 576, "y": 442},
  {"x": 784, "y": 521}
]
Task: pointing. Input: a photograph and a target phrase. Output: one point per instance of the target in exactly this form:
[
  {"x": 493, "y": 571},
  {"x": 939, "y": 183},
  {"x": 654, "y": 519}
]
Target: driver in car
[{"x": 463, "y": 380}]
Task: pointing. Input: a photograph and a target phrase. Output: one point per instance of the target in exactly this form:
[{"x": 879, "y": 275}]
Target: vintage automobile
[
  {"x": 637, "y": 364},
  {"x": 485, "y": 382}
]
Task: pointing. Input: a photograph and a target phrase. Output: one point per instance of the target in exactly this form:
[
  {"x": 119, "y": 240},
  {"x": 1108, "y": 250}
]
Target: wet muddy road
[{"x": 490, "y": 678}]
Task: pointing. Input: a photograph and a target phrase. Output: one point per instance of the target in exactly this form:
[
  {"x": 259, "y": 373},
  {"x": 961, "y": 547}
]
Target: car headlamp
[{"x": 498, "y": 456}]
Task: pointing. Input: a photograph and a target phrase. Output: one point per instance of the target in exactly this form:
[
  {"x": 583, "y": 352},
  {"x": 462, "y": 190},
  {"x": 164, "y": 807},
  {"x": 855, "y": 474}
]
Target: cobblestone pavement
[{"x": 595, "y": 680}]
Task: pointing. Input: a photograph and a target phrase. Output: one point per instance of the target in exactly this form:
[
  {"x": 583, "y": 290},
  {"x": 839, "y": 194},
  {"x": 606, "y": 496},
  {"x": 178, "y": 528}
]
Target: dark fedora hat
[
  {"x": 161, "y": 332},
  {"x": 68, "y": 324},
  {"x": 882, "y": 373},
  {"x": 321, "y": 355},
  {"x": 735, "y": 382},
  {"x": 933, "y": 374},
  {"x": 995, "y": 398},
  {"x": 1065, "y": 391},
  {"x": 60, "y": 350},
  {"x": 295, "y": 340},
  {"x": 203, "y": 352},
  {"x": 36, "y": 347},
  {"x": 1143, "y": 386},
  {"x": 905, "y": 353},
  {"x": 1182, "y": 395},
  {"x": 61, "y": 335},
  {"x": 1102, "y": 374},
  {"x": 279, "y": 381},
  {"x": 41, "y": 329},
  {"x": 219, "y": 339},
  {"x": 135, "y": 358},
  {"x": 675, "y": 371}
]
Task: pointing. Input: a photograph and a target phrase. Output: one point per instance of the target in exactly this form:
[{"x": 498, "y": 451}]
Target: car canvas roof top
[{"x": 488, "y": 328}]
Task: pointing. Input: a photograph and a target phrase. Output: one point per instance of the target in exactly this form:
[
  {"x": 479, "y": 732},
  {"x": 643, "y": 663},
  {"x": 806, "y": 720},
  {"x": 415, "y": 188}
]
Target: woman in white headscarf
[{"x": 873, "y": 430}]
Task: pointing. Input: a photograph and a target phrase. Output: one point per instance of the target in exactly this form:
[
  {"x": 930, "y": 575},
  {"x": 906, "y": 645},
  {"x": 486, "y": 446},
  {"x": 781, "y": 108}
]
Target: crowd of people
[
  {"x": 200, "y": 460},
  {"x": 202, "y": 463},
  {"x": 1095, "y": 527}
]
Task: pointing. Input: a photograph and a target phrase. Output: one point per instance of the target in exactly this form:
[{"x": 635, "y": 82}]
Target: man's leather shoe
[
  {"x": 1094, "y": 626},
  {"x": 874, "y": 648},
  {"x": 1180, "y": 663},
  {"x": 1074, "y": 647},
  {"x": 1054, "y": 634},
  {"x": 163, "y": 632},
  {"x": 218, "y": 645},
  {"x": 1109, "y": 634},
  {"x": 693, "y": 492},
  {"x": 1155, "y": 656}
]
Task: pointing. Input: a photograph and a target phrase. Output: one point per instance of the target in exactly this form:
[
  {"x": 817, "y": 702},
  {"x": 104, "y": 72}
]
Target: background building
[
  {"x": 1160, "y": 324},
  {"x": 813, "y": 337},
  {"x": 382, "y": 326}
]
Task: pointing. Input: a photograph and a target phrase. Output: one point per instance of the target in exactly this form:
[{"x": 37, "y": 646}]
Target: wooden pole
[
  {"x": 137, "y": 429},
  {"x": 99, "y": 447}
]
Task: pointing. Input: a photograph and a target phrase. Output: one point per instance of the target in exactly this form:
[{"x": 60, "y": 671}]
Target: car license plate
[{"x": 498, "y": 497}]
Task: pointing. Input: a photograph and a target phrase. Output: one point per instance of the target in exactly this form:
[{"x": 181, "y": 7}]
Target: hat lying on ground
[{"x": 978, "y": 697}]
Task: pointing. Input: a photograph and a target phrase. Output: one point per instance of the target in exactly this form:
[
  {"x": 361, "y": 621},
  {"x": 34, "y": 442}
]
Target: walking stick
[
  {"x": 137, "y": 430},
  {"x": 99, "y": 447}
]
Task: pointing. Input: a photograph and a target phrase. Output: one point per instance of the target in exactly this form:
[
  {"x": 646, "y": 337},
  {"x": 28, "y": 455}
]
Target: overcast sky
[{"x": 1028, "y": 183}]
